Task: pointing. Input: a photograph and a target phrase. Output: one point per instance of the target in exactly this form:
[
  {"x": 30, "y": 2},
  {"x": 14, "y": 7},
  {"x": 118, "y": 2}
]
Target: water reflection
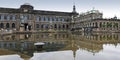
[{"x": 92, "y": 45}]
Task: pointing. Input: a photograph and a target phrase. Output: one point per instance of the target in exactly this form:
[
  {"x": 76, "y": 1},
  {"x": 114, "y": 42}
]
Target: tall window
[
  {"x": 42, "y": 26},
  {"x": 67, "y": 26},
  {"x": 7, "y": 25},
  {"x": 46, "y": 26},
  {"x": 42, "y": 18},
  {"x": 26, "y": 17},
  {"x": 37, "y": 25},
  {"x": 59, "y": 19},
  {"x": 2, "y": 25},
  {"x": 62, "y": 19},
  {"x": 63, "y": 26},
  {"x": 13, "y": 25},
  {"x": 59, "y": 26},
  {"x": 13, "y": 17},
  {"x": 8, "y": 17},
  {"x": 54, "y": 18},
  {"x": 50, "y": 19},
  {"x": 100, "y": 24},
  {"x": 5, "y": 17},
  {"x": 96, "y": 24},
  {"x": 55, "y": 26},
  {"x": 37, "y": 18},
  {"x": 46, "y": 19},
  {"x": 2, "y": 17}
]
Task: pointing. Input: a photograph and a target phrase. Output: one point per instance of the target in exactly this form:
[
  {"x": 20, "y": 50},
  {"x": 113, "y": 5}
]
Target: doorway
[{"x": 27, "y": 27}]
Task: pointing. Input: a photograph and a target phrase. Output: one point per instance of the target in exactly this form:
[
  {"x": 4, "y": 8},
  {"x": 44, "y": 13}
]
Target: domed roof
[{"x": 26, "y": 4}]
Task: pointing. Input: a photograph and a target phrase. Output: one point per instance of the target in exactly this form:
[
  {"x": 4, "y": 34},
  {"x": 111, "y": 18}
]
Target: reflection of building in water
[
  {"x": 59, "y": 41},
  {"x": 94, "y": 42},
  {"x": 25, "y": 42}
]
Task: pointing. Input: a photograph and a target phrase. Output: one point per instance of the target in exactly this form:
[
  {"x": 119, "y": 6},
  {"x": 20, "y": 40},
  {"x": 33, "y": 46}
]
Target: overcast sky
[{"x": 110, "y": 8}]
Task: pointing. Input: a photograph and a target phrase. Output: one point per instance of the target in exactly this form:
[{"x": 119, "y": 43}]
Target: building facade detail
[
  {"x": 26, "y": 18},
  {"x": 93, "y": 21}
]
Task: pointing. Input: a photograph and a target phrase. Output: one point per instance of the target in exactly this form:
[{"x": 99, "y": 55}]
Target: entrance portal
[{"x": 27, "y": 27}]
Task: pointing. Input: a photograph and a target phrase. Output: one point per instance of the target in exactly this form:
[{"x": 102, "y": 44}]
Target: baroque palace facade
[
  {"x": 26, "y": 18},
  {"x": 93, "y": 21}
]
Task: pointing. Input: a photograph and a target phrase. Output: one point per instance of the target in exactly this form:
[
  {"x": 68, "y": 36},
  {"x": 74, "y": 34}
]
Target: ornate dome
[
  {"x": 27, "y": 7},
  {"x": 26, "y": 4}
]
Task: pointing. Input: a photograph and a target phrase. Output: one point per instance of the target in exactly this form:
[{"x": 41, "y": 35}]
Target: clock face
[{"x": 25, "y": 10}]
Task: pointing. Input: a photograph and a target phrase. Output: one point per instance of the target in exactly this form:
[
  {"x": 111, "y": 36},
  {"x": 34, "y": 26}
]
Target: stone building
[
  {"x": 93, "y": 21},
  {"x": 26, "y": 18}
]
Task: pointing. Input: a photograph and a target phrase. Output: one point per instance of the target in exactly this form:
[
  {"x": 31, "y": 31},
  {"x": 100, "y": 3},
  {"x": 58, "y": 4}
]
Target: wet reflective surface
[{"x": 84, "y": 46}]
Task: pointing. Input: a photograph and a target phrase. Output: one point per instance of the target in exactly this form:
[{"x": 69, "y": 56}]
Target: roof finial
[{"x": 74, "y": 8}]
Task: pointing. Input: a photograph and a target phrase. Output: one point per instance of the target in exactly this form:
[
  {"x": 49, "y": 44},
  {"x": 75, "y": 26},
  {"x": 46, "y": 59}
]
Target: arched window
[
  {"x": 63, "y": 26},
  {"x": 37, "y": 25},
  {"x": 7, "y": 25},
  {"x": 59, "y": 26},
  {"x": 96, "y": 25},
  {"x": 100, "y": 24},
  {"x": 2, "y": 25},
  {"x": 67, "y": 26},
  {"x": 13, "y": 25},
  {"x": 55, "y": 26},
  {"x": 42, "y": 26}
]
